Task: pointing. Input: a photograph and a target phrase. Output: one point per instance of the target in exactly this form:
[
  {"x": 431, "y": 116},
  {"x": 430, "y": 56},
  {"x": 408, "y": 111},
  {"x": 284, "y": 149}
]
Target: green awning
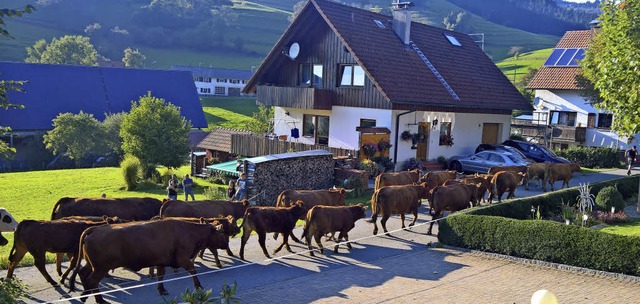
[{"x": 228, "y": 168}]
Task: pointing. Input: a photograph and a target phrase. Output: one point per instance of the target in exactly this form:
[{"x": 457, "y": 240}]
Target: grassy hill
[
  {"x": 515, "y": 69},
  {"x": 228, "y": 112},
  {"x": 260, "y": 23}
]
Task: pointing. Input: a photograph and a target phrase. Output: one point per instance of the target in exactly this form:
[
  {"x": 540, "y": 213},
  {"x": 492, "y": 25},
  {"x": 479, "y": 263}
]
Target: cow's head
[
  {"x": 7, "y": 222},
  {"x": 233, "y": 226},
  {"x": 575, "y": 167},
  {"x": 358, "y": 211}
]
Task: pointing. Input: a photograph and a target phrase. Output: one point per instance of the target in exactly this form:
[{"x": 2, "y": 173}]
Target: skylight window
[
  {"x": 379, "y": 23},
  {"x": 453, "y": 40},
  {"x": 565, "y": 57}
]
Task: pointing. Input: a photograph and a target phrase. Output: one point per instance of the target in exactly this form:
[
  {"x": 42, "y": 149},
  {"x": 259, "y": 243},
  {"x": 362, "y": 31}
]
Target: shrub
[
  {"x": 218, "y": 179},
  {"x": 610, "y": 197},
  {"x": 212, "y": 193},
  {"x": 385, "y": 162},
  {"x": 611, "y": 218},
  {"x": 442, "y": 161},
  {"x": 412, "y": 164},
  {"x": 515, "y": 136},
  {"x": 595, "y": 157},
  {"x": 543, "y": 240},
  {"x": 131, "y": 171},
  {"x": 355, "y": 183},
  {"x": 11, "y": 289},
  {"x": 370, "y": 166}
]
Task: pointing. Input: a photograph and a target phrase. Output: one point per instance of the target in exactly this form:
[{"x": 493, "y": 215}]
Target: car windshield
[
  {"x": 548, "y": 151},
  {"x": 514, "y": 158}
]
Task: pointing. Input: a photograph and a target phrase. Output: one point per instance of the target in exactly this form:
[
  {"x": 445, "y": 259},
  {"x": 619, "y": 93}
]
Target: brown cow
[
  {"x": 515, "y": 169},
  {"x": 144, "y": 244},
  {"x": 437, "y": 178},
  {"x": 556, "y": 172},
  {"x": 310, "y": 198},
  {"x": 396, "y": 200},
  {"x": 131, "y": 208},
  {"x": 451, "y": 198},
  {"x": 502, "y": 182},
  {"x": 205, "y": 209},
  {"x": 270, "y": 219},
  {"x": 329, "y": 219},
  {"x": 40, "y": 237},
  {"x": 483, "y": 181},
  {"x": 535, "y": 171},
  {"x": 396, "y": 178}
]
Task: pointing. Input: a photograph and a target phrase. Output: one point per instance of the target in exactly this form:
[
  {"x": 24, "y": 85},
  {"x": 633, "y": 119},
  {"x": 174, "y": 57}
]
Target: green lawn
[
  {"x": 631, "y": 228},
  {"x": 32, "y": 195},
  {"x": 228, "y": 112}
]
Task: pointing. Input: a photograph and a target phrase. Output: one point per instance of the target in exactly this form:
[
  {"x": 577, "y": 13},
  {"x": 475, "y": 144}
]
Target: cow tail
[
  {"x": 76, "y": 267},
  {"x": 374, "y": 208},
  {"x": 307, "y": 223},
  {"x": 12, "y": 252},
  {"x": 56, "y": 207}
]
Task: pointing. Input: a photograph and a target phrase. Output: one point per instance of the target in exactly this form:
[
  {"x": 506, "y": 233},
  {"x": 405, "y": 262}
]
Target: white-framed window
[
  {"x": 311, "y": 75},
  {"x": 351, "y": 75},
  {"x": 219, "y": 91},
  {"x": 234, "y": 81},
  {"x": 221, "y": 80},
  {"x": 207, "y": 79},
  {"x": 205, "y": 90}
]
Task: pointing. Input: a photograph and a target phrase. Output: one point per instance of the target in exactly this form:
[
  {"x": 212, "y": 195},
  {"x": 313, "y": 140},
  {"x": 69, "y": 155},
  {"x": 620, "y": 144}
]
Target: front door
[
  {"x": 490, "y": 133},
  {"x": 422, "y": 145}
]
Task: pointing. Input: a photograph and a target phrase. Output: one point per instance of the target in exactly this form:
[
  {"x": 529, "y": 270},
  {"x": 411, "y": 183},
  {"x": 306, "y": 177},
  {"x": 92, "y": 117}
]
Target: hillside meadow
[{"x": 515, "y": 69}]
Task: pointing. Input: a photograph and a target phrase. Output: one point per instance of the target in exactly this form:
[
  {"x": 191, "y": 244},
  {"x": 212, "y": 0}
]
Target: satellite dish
[{"x": 294, "y": 50}]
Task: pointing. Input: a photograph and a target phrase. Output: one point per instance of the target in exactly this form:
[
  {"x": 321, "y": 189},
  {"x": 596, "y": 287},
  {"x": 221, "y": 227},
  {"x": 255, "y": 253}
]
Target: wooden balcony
[
  {"x": 296, "y": 97},
  {"x": 252, "y": 146},
  {"x": 528, "y": 128}
]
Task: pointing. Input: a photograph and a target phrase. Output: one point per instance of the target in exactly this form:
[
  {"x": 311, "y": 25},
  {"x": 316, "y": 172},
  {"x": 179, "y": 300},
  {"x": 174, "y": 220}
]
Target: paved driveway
[{"x": 399, "y": 268}]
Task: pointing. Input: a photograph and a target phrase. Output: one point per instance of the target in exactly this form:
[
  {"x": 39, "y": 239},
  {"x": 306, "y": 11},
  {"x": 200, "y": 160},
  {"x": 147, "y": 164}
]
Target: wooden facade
[
  {"x": 318, "y": 45},
  {"x": 251, "y": 146},
  {"x": 566, "y": 134}
]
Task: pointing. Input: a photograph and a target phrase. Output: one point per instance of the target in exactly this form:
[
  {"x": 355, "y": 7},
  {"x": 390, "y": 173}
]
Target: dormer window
[
  {"x": 311, "y": 75},
  {"x": 351, "y": 75}
]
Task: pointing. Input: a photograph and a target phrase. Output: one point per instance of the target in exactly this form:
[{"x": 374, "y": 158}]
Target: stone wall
[{"x": 270, "y": 178}]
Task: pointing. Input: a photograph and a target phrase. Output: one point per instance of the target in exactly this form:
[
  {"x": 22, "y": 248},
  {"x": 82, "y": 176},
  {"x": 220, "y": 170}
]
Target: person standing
[
  {"x": 631, "y": 158},
  {"x": 241, "y": 183},
  {"x": 187, "y": 185},
  {"x": 172, "y": 188},
  {"x": 231, "y": 191}
]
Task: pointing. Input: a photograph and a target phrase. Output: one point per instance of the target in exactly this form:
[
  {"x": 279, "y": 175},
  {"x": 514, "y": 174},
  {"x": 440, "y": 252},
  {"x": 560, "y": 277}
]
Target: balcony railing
[
  {"x": 528, "y": 128},
  {"x": 252, "y": 146},
  {"x": 296, "y": 97}
]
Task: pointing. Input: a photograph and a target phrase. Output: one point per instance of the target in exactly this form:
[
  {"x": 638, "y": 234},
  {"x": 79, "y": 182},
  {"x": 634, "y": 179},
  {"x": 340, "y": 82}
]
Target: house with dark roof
[
  {"x": 562, "y": 117},
  {"x": 338, "y": 70},
  {"x": 216, "y": 81}
]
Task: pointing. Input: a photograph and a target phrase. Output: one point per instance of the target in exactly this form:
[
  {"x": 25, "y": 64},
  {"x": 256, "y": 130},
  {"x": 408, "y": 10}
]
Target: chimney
[
  {"x": 595, "y": 27},
  {"x": 402, "y": 20}
]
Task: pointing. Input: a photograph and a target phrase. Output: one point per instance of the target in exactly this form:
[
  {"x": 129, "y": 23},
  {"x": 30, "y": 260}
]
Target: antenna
[{"x": 293, "y": 51}]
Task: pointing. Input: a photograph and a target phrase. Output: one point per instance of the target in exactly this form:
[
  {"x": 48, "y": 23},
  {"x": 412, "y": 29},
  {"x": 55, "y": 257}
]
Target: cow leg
[
  {"x": 15, "y": 259},
  {"x": 91, "y": 283},
  {"x": 415, "y": 217},
  {"x": 215, "y": 256},
  {"x": 434, "y": 218},
  {"x": 261, "y": 240},
  {"x": 59, "y": 257},
  {"x": 246, "y": 233},
  {"x": 383, "y": 222},
  {"x": 152, "y": 271},
  {"x": 275, "y": 235},
  {"x": 39, "y": 261},
  {"x": 285, "y": 243},
  {"x": 161, "y": 289},
  {"x": 375, "y": 227},
  {"x": 309, "y": 245},
  {"x": 318, "y": 238},
  {"x": 401, "y": 219},
  {"x": 72, "y": 262},
  {"x": 189, "y": 267},
  {"x": 335, "y": 248},
  {"x": 201, "y": 254},
  {"x": 346, "y": 239},
  {"x": 295, "y": 239}
]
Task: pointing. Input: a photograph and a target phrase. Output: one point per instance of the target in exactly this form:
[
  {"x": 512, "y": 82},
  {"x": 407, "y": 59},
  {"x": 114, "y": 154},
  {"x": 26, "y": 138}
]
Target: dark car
[
  {"x": 536, "y": 152},
  {"x": 502, "y": 148},
  {"x": 481, "y": 162}
]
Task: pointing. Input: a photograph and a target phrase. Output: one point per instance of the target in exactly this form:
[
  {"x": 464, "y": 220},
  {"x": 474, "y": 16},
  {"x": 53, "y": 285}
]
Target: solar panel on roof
[
  {"x": 555, "y": 55},
  {"x": 566, "y": 57},
  {"x": 579, "y": 56}
]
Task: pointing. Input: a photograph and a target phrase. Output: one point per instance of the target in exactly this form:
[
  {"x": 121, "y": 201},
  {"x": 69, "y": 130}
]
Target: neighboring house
[
  {"x": 339, "y": 70},
  {"x": 562, "y": 118},
  {"x": 54, "y": 89},
  {"x": 215, "y": 81}
]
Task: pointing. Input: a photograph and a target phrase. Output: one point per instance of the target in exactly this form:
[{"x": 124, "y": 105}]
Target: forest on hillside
[{"x": 535, "y": 16}]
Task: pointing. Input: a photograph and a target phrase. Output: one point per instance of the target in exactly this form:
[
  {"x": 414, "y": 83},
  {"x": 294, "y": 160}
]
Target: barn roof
[
  {"x": 220, "y": 139},
  {"x": 54, "y": 89},
  {"x": 215, "y": 72}
]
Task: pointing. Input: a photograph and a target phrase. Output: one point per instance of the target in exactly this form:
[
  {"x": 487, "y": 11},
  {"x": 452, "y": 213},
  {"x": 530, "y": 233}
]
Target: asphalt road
[{"x": 350, "y": 275}]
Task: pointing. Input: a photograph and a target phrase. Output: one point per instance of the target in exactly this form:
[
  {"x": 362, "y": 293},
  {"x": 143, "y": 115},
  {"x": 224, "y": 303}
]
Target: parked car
[
  {"x": 503, "y": 148},
  {"x": 481, "y": 162},
  {"x": 536, "y": 152}
]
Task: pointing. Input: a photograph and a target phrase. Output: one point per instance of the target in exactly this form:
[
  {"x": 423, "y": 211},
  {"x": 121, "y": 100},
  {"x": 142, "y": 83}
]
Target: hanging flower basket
[
  {"x": 384, "y": 145},
  {"x": 406, "y": 135},
  {"x": 369, "y": 149},
  {"x": 446, "y": 140}
]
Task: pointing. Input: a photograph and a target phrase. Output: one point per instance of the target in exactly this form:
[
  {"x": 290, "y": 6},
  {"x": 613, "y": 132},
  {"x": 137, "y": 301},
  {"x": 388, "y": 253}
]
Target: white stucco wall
[
  {"x": 568, "y": 100},
  {"x": 211, "y": 85},
  {"x": 604, "y": 138}
]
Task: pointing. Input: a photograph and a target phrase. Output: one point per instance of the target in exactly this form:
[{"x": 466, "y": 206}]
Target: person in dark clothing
[
  {"x": 232, "y": 189},
  {"x": 631, "y": 158},
  {"x": 172, "y": 188}
]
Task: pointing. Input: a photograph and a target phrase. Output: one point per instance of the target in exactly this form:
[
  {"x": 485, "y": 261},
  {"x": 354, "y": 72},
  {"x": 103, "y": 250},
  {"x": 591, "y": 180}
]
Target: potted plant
[
  {"x": 369, "y": 149},
  {"x": 406, "y": 135},
  {"x": 384, "y": 145},
  {"x": 446, "y": 140}
]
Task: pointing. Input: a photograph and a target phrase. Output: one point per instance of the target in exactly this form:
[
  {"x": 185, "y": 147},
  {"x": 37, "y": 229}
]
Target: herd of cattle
[{"x": 136, "y": 233}]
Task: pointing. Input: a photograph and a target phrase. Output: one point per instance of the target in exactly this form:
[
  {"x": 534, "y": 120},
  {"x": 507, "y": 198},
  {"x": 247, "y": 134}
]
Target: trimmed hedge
[
  {"x": 544, "y": 240},
  {"x": 504, "y": 228},
  {"x": 593, "y": 157}
]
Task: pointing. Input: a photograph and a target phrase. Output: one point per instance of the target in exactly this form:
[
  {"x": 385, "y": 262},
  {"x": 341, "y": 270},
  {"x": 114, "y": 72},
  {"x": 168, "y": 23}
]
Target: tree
[
  {"x": 297, "y": 8},
  {"x": 74, "y": 135},
  {"x": 155, "y": 132},
  {"x": 74, "y": 50},
  {"x": 9, "y": 85},
  {"x": 457, "y": 22},
  {"x": 133, "y": 58},
  {"x": 262, "y": 120},
  {"x": 111, "y": 126},
  {"x": 515, "y": 51},
  {"x": 612, "y": 65}
]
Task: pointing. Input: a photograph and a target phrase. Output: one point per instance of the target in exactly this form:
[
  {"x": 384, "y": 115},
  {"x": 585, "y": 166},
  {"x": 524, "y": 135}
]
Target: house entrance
[
  {"x": 490, "y": 133},
  {"x": 422, "y": 144}
]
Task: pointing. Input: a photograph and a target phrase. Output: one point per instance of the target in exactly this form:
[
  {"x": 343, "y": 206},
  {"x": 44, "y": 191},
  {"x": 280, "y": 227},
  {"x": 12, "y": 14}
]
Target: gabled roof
[
  {"x": 220, "y": 139},
  {"x": 399, "y": 73},
  {"x": 215, "y": 72},
  {"x": 53, "y": 89},
  {"x": 562, "y": 77},
  {"x": 195, "y": 137}
]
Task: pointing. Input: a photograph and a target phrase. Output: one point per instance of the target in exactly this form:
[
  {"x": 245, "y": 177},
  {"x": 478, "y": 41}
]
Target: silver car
[{"x": 481, "y": 162}]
